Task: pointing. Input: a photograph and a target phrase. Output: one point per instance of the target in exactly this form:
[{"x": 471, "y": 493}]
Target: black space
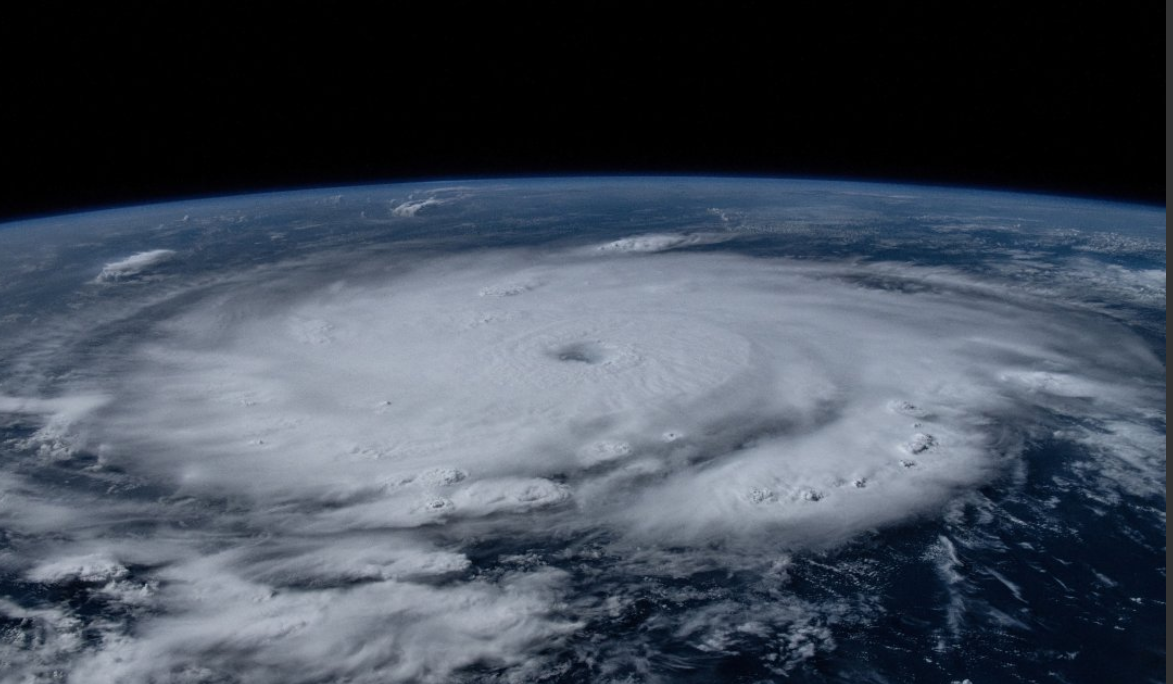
[{"x": 105, "y": 108}]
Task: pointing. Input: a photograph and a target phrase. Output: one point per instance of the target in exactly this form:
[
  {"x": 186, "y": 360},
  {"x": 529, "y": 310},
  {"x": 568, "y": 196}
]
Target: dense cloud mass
[
  {"x": 691, "y": 397},
  {"x": 322, "y": 461}
]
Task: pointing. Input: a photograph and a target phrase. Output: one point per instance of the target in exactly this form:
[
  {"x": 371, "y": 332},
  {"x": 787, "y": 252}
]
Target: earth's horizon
[{"x": 614, "y": 429}]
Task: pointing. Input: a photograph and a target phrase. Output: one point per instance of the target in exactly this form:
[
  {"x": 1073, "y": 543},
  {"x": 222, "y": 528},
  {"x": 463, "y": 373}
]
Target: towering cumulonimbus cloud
[
  {"x": 134, "y": 265},
  {"x": 360, "y": 436}
]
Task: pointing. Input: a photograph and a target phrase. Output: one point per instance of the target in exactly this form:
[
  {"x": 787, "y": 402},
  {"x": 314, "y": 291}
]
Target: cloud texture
[{"x": 323, "y": 464}]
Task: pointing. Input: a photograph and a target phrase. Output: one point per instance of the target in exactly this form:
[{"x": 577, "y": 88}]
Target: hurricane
[{"x": 736, "y": 440}]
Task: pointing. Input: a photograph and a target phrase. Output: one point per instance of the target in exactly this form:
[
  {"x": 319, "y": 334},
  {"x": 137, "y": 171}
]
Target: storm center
[{"x": 590, "y": 353}]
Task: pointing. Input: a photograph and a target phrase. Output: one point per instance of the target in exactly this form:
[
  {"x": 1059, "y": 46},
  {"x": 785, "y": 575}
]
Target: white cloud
[
  {"x": 332, "y": 456},
  {"x": 90, "y": 568},
  {"x": 410, "y": 207},
  {"x": 783, "y": 374},
  {"x": 59, "y": 434},
  {"x": 133, "y": 265},
  {"x": 219, "y": 625},
  {"x": 661, "y": 242}
]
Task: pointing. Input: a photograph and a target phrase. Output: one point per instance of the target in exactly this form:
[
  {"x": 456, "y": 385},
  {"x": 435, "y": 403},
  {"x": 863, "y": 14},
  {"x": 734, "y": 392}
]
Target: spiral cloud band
[
  {"x": 680, "y": 395},
  {"x": 363, "y": 439}
]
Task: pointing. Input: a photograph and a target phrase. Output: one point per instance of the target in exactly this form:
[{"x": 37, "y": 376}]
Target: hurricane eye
[{"x": 589, "y": 353}]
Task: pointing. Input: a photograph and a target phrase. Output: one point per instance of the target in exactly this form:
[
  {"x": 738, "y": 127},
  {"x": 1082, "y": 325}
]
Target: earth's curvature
[{"x": 604, "y": 430}]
